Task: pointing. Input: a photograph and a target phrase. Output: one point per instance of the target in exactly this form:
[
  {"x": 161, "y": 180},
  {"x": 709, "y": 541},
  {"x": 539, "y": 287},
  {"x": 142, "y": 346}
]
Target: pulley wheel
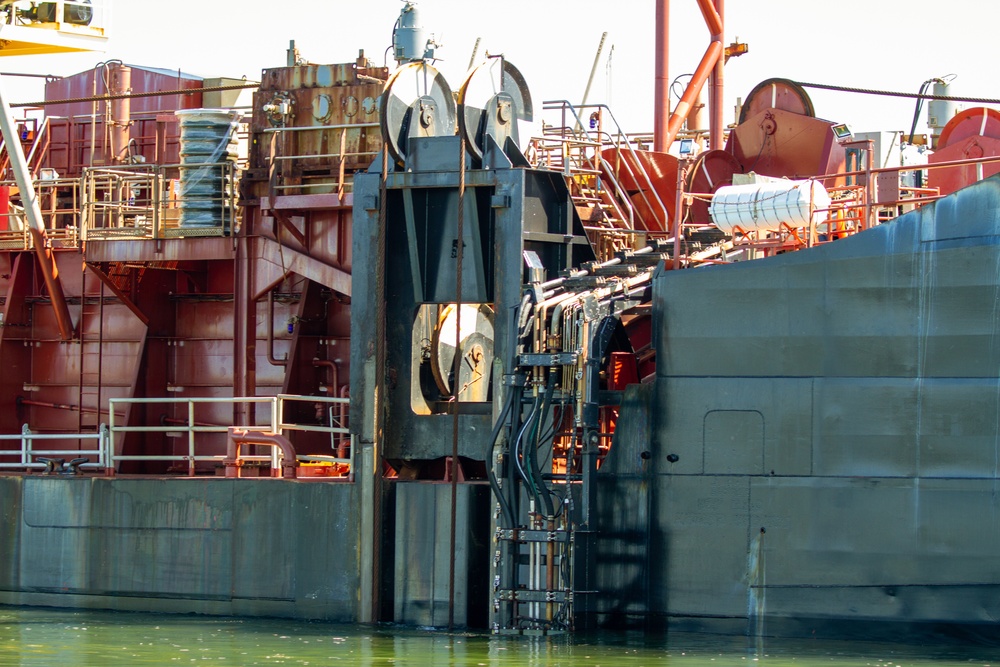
[
  {"x": 475, "y": 345},
  {"x": 974, "y": 122},
  {"x": 491, "y": 101},
  {"x": 777, "y": 94},
  {"x": 416, "y": 102}
]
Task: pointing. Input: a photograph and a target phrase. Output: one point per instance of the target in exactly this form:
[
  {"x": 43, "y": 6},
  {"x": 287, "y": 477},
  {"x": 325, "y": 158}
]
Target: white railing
[
  {"x": 27, "y": 452},
  {"x": 333, "y": 409},
  {"x": 191, "y": 428}
]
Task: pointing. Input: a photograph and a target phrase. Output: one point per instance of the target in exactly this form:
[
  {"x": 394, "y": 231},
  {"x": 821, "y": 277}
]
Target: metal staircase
[{"x": 611, "y": 189}]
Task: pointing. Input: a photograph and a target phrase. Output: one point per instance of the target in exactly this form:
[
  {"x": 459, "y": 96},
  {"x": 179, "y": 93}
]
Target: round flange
[
  {"x": 781, "y": 94},
  {"x": 416, "y": 102},
  {"x": 475, "y": 345},
  {"x": 491, "y": 101}
]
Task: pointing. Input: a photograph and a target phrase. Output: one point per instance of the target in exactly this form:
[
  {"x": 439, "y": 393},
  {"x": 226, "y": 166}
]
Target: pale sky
[{"x": 881, "y": 44}]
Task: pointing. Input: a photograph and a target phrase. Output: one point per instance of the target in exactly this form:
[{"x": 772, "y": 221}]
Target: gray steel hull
[{"x": 832, "y": 421}]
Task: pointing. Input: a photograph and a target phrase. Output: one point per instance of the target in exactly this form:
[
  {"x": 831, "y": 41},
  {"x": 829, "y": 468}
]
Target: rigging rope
[{"x": 889, "y": 93}]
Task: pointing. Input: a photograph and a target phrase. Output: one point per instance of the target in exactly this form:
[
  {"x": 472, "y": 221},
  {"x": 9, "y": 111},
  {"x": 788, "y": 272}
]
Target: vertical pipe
[
  {"x": 661, "y": 93},
  {"x": 270, "y": 332},
  {"x": 121, "y": 112},
  {"x": 716, "y": 91},
  {"x": 83, "y": 358},
  {"x": 455, "y": 384},
  {"x": 100, "y": 349}
]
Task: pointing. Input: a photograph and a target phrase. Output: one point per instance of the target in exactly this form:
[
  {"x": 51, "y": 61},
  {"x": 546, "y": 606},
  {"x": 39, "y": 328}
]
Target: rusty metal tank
[{"x": 778, "y": 135}]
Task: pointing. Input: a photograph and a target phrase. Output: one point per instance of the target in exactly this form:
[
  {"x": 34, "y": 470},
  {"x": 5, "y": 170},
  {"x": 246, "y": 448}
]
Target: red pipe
[
  {"x": 712, "y": 18},
  {"x": 331, "y": 389},
  {"x": 238, "y": 437},
  {"x": 712, "y": 55},
  {"x": 121, "y": 112},
  {"x": 274, "y": 361},
  {"x": 716, "y": 92},
  {"x": 661, "y": 94}
]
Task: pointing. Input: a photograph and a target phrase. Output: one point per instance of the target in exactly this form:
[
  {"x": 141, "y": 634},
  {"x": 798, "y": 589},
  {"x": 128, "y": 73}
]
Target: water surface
[{"x": 39, "y": 637}]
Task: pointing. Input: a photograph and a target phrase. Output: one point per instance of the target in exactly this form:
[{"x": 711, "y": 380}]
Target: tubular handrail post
[
  {"x": 350, "y": 456},
  {"x": 191, "y": 461},
  {"x": 111, "y": 432},
  {"x": 156, "y": 202},
  {"x": 105, "y": 450},
  {"x": 25, "y": 444},
  {"x": 277, "y": 419},
  {"x": 333, "y": 435}
]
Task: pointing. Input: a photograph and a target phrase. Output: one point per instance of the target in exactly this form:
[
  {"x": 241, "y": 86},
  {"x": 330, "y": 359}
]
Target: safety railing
[
  {"x": 142, "y": 202},
  {"x": 27, "y": 454},
  {"x": 578, "y": 149},
  {"x": 189, "y": 428},
  {"x": 614, "y": 138},
  {"x": 59, "y": 203}
]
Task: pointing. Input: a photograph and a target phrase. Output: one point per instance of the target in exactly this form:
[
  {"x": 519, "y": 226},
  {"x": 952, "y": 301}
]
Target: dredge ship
[{"x": 405, "y": 363}]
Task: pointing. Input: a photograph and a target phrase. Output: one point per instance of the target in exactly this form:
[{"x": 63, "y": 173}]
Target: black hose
[
  {"x": 505, "y": 509},
  {"x": 518, "y": 457},
  {"x": 543, "y": 490},
  {"x": 918, "y": 106}
]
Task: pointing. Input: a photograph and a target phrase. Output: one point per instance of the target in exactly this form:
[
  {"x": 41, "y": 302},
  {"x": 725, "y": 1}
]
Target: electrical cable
[
  {"x": 546, "y": 401},
  {"x": 919, "y": 105},
  {"x": 505, "y": 509}
]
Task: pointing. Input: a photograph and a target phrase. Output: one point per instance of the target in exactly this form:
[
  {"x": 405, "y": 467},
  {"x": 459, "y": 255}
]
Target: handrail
[
  {"x": 191, "y": 428},
  {"x": 621, "y": 143},
  {"x": 27, "y": 452},
  {"x": 628, "y": 144},
  {"x": 133, "y": 193}
]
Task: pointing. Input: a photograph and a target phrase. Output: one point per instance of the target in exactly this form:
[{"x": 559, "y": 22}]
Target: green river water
[{"x": 36, "y": 637}]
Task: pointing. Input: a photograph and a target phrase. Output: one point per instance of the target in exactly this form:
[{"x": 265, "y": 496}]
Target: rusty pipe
[
  {"x": 331, "y": 389},
  {"x": 121, "y": 112},
  {"x": 270, "y": 333},
  {"x": 716, "y": 91},
  {"x": 237, "y": 437},
  {"x": 712, "y": 55},
  {"x": 661, "y": 94}
]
